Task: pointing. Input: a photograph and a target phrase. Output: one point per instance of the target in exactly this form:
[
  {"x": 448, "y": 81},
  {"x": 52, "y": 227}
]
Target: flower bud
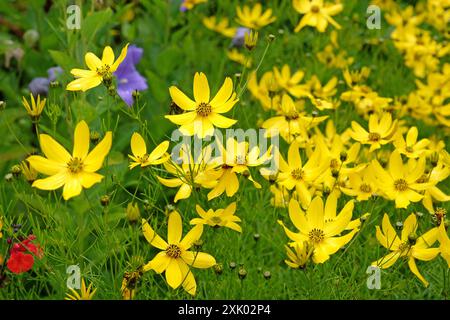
[
  {"x": 2, "y": 105},
  {"x": 31, "y": 37},
  {"x": 218, "y": 268},
  {"x": 94, "y": 136},
  {"x": 242, "y": 273},
  {"x": 132, "y": 212},
  {"x": 343, "y": 156},
  {"x": 16, "y": 170},
  {"x": 256, "y": 236},
  {"x": 8, "y": 177},
  {"x": 267, "y": 275},
  {"x": 232, "y": 265},
  {"x": 104, "y": 200}
]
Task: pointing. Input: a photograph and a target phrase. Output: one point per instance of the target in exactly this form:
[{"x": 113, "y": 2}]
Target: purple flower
[
  {"x": 128, "y": 78},
  {"x": 239, "y": 37},
  {"x": 53, "y": 73},
  {"x": 39, "y": 86}
]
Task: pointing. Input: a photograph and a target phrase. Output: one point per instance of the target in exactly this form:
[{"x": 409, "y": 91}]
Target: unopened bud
[
  {"x": 267, "y": 275},
  {"x": 343, "y": 156},
  {"x": 16, "y": 170},
  {"x": 132, "y": 212},
  {"x": 232, "y": 265},
  {"x": 218, "y": 268},
  {"x": 242, "y": 273},
  {"x": 94, "y": 136},
  {"x": 104, "y": 200}
]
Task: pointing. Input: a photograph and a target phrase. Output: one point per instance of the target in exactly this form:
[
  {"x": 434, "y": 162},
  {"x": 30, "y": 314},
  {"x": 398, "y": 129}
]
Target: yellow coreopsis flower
[
  {"x": 290, "y": 122},
  {"x": 381, "y": 131},
  {"x": 1, "y": 226},
  {"x": 411, "y": 147},
  {"x": 28, "y": 171},
  {"x": 221, "y": 26},
  {"x": 203, "y": 114},
  {"x": 218, "y": 218},
  {"x": 99, "y": 70},
  {"x": 444, "y": 241},
  {"x": 190, "y": 173},
  {"x": 85, "y": 293},
  {"x": 408, "y": 245},
  {"x": 74, "y": 172},
  {"x": 295, "y": 174},
  {"x": 316, "y": 14},
  {"x": 37, "y": 106},
  {"x": 299, "y": 257},
  {"x": 254, "y": 18},
  {"x": 236, "y": 56},
  {"x": 399, "y": 181},
  {"x": 437, "y": 174},
  {"x": 361, "y": 185},
  {"x": 235, "y": 159},
  {"x": 140, "y": 156},
  {"x": 176, "y": 257},
  {"x": 317, "y": 230},
  {"x": 291, "y": 82}
]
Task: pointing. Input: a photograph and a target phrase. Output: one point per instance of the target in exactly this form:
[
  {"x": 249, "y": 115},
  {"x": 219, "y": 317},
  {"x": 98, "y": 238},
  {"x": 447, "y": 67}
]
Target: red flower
[{"x": 20, "y": 259}]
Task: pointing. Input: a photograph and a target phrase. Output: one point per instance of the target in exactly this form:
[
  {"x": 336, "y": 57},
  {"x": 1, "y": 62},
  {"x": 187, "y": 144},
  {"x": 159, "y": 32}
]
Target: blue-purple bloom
[
  {"x": 128, "y": 78},
  {"x": 239, "y": 37},
  {"x": 39, "y": 85}
]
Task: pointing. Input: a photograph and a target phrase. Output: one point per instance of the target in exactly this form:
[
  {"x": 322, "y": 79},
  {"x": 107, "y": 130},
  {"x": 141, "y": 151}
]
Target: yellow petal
[
  {"x": 72, "y": 188},
  {"x": 53, "y": 150},
  {"x": 181, "y": 100},
  {"x": 159, "y": 263},
  {"x": 223, "y": 94},
  {"x": 119, "y": 60},
  {"x": 88, "y": 179},
  {"x": 108, "y": 56},
  {"x": 152, "y": 237},
  {"x": 201, "y": 88},
  {"x": 81, "y": 140},
  {"x": 221, "y": 121},
  {"x": 82, "y": 73},
  {"x": 84, "y": 84},
  {"x": 183, "y": 193},
  {"x": 138, "y": 146},
  {"x": 387, "y": 261},
  {"x": 173, "y": 274},
  {"x": 51, "y": 183},
  {"x": 181, "y": 119},
  {"x": 189, "y": 283},
  {"x": 413, "y": 267},
  {"x": 95, "y": 158},
  {"x": 44, "y": 165},
  {"x": 409, "y": 226},
  {"x": 92, "y": 61},
  {"x": 175, "y": 228},
  {"x": 314, "y": 214},
  {"x": 171, "y": 183},
  {"x": 159, "y": 151},
  {"x": 198, "y": 259},
  {"x": 192, "y": 236},
  {"x": 297, "y": 217}
]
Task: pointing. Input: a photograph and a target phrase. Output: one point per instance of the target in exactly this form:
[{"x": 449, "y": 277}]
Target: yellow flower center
[
  {"x": 75, "y": 165},
  {"x": 316, "y": 235},
  {"x": 297, "y": 174},
  {"x": 334, "y": 164},
  {"x": 364, "y": 187},
  {"x": 293, "y": 115},
  {"x": 423, "y": 179},
  {"x": 375, "y": 137},
  {"x": 404, "y": 246},
  {"x": 315, "y": 9},
  {"x": 143, "y": 158},
  {"x": 216, "y": 220},
  {"x": 103, "y": 70},
  {"x": 204, "y": 109},
  {"x": 173, "y": 251},
  {"x": 409, "y": 149},
  {"x": 401, "y": 185}
]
